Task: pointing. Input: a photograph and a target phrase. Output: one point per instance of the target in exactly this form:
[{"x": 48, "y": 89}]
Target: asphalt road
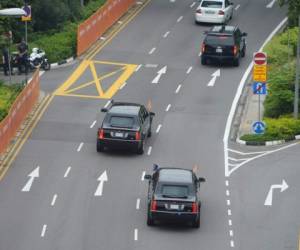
[{"x": 60, "y": 211}]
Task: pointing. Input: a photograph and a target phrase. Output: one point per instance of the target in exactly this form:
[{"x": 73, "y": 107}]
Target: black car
[
  {"x": 125, "y": 125},
  {"x": 223, "y": 44},
  {"x": 173, "y": 196}
]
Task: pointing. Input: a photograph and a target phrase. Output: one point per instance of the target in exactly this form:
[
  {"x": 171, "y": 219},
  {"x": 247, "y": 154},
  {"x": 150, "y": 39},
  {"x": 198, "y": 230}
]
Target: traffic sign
[
  {"x": 259, "y": 88},
  {"x": 260, "y": 58},
  {"x": 260, "y": 73},
  {"x": 27, "y": 17},
  {"x": 258, "y": 127}
]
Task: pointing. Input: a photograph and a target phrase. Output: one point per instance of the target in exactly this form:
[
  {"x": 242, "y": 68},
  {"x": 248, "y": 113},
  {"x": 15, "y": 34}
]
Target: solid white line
[
  {"x": 230, "y": 222},
  {"x": 193, "y": 4},
  {"x": 53, "y": 200},
  {"x": 229, "y": 212},
  {"x": 248, "y": 153},
  {"x": 168, "y": 107},
  {"x": 67, "y": 172},
  {"x": 236, "y": 99},
  {"x": 138, "y": 201},
  {"x": 237, "y": 7},
  {"x": 44, "y": 230},
  {"x": 93, "y": 124},
  {"x": 106, "y": 105},
  {"x": 231, "y": 233},
  {"x": 136, "y": 234},
  {"x": 152, "y": 50},
  {"x": 232, "y": 243},
  {"x": 179, "y": 19},
  {"x": 178, "y": 88},
  {"x": 138, "y": 67},
  {"x": 123, "y": 85},
  {"x": 158, "y": 128},
  {"x": 227, "y": 192},
  {"x": 166, "y": 34},
  {"x": 189, "y": 70},
  {"x": 149, "y": 150},
  {"x": 228, "y": 202},
  {"x": 227, "y": 183},
  {"x": 79, "y": 147},
  {"x": 143, "y": 176},
  {"x": 241, "y": 159}
]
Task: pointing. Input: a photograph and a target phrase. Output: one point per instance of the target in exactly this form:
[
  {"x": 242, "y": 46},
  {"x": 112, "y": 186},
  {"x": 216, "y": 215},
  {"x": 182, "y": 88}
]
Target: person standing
[
  {"x": 5, "y": 60},
  {"x": 23, "y": 56}
]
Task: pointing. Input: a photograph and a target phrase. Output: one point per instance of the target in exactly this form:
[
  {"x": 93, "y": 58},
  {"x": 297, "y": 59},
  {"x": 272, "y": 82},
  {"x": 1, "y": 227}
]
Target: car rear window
[
  {"x": 211, "y": 4},
  {"x": 121, "y": 121},
  {"x": 220, "y": 40},
  {"x": 175, "y": 191}
]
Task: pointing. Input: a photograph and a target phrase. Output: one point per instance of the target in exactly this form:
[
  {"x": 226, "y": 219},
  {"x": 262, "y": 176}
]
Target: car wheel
[
  {"x": 196, "y": 224},
  {"x": 243, "y": 53},
  {"x": 196, "y": 22},
  {"x": 203, "y": 61},
  {"x": 236, "y": 62},
  {"x": 100, "y": 147},
  {"x": 149, "y": 132},
  {"x": 150, "y": 221},
  {"x": 141, "y": 149}
]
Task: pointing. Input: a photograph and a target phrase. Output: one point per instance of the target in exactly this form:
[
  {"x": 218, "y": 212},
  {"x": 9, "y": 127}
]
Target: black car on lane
[
  {"x": 173, "y": 196},
  {"x": 125, "y": 126}
]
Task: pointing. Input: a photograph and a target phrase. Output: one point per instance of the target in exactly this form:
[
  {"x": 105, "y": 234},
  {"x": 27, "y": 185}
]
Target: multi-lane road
[{"x": 53, "y": 197}]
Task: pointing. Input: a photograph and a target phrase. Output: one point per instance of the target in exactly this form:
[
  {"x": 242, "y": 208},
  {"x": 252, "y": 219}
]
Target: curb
[
  {"x": 58, "y": 64},
  {"x": 266, "y": 143}
]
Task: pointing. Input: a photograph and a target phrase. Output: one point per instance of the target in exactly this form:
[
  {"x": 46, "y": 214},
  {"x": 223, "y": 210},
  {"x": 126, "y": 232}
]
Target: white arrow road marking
[
  {"x": 102, "y": 178},
  {"x": 32, "y": 175},
  {"x": 284, "y": 186},
  {"x": 159, "y": 74},
  {"x": 214, "y": 77},
  {"x": 270, "y": 5}
]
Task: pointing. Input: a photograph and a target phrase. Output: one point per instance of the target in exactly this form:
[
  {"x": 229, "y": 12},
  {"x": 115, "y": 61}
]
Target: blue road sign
[
  {"x": 259, "y": 88},
  {"x": 258, "y": 127}
]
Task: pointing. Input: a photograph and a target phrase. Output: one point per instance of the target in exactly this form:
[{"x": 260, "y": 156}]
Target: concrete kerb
[{"x": 62, "y": 62}]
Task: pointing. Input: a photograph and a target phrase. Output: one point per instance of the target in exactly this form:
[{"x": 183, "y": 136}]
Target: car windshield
[
  {"x": 175, "y": 191},
  {"x": 212, "y": 4},
  {"x": 121, "y": 121},
  {"x": 219, "y": 40}
]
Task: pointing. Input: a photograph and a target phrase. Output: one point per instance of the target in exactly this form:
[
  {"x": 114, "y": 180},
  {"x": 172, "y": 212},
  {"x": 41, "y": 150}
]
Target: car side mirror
[
  {"x": 244, "y": 34},
  {"x": 201, "y": 179},
  {"x": 152, "y": 113},
  {"x": 104, "y": 110},
  {"x": 148, "y": 177}
]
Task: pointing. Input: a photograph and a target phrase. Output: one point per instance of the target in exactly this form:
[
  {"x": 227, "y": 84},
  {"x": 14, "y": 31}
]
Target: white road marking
[
  {"x": 149, "y": 150},
  {"x": 166, "y": 34},
  {"x": 102, "y": 178},
  {"x": 54, "y": 200},
  {"x": 138, "y": 201},
  {"x": 247, "y": 153},
  {"x": 80, "y": 147},
  {"x": 237, "y": 7},
  {"x": 34, "y": 174},
  {"x": 136, "y": 234},
  {"x": 158, "y": 128},
  {"x": 161, "y": 72},
  {"x": 123, "y": 85},
  {"x": 228, "y": 202},
  {"x": 284, "y": 186},
  {"x": 178, "y": 89},
  {"x": 67, "y": 172},
  {"x": 230, "y": 222},
  {"x": 139, "y": 3},
  {"x": 231, "y": 233},
  {"x": 214, "y": 78},
  {"x": 232, "y": 243},
  {"x": 107, "y": 104},
  {"x": 138, "y": 68},
  {"x": 102, "y": 38},
  {"x": 270, "y": 5},
  {"x": 227, "y": 192},
  {"x": 179, "y": 19},
  {"x": 93, "y": 124},
  {"x": 200, "y": 53},
  {"x": 193, "y": 4},
  {"x": 189, "y": 70},
  {"x": 151, "y": 51},
  {"x": 149, "y": 65},
  {"x": 229, "y": 212},
  {"x": 44, "y": 231},
  {"x": 236, "y": 160},
  {"x": 230, "y": 117},
  {"x": 227, "y": 183},
  {"x": 120, "y": 22},
  {"x": 168, "y": 107},
  {"x": 143, "y": 176}
]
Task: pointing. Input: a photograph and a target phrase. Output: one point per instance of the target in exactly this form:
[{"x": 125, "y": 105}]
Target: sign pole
[{"x": 259, "y": 107}]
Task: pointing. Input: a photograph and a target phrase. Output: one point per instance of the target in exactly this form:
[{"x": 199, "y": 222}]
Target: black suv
[
  {"x": 125, "y": 125},
  {"x": 223, "y": 43},
  {"x": 173, "y": 196}
]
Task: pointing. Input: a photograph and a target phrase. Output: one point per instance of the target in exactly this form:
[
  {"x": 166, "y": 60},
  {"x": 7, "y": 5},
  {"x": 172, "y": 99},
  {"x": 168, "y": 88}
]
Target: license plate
[
  {"x": 174, "y": 206},
  {"x": 118, "y": 134},
  {"x": 209, "y": 12},
  {"x": 219, "y": 50}
]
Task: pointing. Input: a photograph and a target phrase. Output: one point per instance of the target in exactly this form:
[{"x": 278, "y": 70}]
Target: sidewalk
[{"x": 14, "y": 78}]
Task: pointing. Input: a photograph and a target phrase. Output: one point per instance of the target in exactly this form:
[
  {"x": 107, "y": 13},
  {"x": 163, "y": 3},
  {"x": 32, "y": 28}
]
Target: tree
[{"x": 293, "y": 11}]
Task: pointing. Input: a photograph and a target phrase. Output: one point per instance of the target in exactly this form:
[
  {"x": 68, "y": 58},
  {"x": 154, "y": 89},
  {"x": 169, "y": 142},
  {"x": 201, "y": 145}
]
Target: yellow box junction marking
[{"x": 126, "y": 71}]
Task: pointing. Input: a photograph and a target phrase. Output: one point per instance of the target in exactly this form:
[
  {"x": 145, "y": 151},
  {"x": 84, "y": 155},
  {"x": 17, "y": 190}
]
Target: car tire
[
  {"x": 100, "y": 147},
  {"x": 150, "y": 221},
  {"x": 236, "y": 62},
  {"x": 141, "y": 149},
  {"x": 149, "y": 132},
  {"x": 203, "y": 61},
  {"x": 243, "y": 53},
  {"x": 196, "y": 224},
  {"x": 196, "y": 22}
]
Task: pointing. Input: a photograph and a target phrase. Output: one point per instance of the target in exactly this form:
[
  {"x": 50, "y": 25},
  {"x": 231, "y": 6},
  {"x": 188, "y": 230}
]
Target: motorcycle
[{"x": 38, "y": 59}]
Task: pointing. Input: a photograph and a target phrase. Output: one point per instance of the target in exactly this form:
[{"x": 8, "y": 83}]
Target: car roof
[
  {"x": 222, "y": 29},
  {"x": 176, "y": 175},
  {"x": 125, "y": 108}
]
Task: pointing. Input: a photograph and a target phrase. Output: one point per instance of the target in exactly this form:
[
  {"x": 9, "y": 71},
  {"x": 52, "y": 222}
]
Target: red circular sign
[{"x": 260, "y": 58}]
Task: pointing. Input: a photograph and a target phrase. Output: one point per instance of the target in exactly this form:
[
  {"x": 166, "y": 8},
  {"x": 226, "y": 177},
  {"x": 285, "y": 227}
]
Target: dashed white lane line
[
  {"x": 102, "y": 38},
  {"x": 227, "y": 183},
  {"x": 123, "y": 85},
  {"x": 138, "y": 68},
  {"x": 54, "y": 200},
  {"x": 189, "y": 70},
  {"x": 143, "y": 176},
  {"x": 229, "y": 212},
  {"x": 151, "y": 51},
  {"x": 193, "y": 4},
  {"x": 178, "y": 89},
  {"x": 168, "y": 107},
  {"x": 227, "y": 192},
  {"x": 120, "y": 22},
  {"x": 230, "y": 222},
  {"x": 67, "y": 172},
  {"x": 237, "y": 7},
  {"x": 158, "y": 128},
  {"x": 136, "y": 234},
  {"x": 228, "y": 202},
  {"x": 149, "y": 65},
  {"x": 231, "y": 233},
  {"x": 232, "y": 243},
  {"x": 80, "y": 147},
  {"x": 138, "y": 201},
  {"x": 149, "y": 150},
  {"x": 179, "y": 19},
  {"x": 44, "y": 231},
  {"x": 200, "y": 53},
  {"x": 139, "y": 2},
  {"x": 166, "y": 34},
  {"x": 93, "y": 124},
  {"x": 106, "y": 105}
]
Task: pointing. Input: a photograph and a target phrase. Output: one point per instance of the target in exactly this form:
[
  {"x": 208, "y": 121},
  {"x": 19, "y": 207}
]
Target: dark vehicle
[
  {"x": 223, "y": 44},
  {"x": 173, "y": 196},
  {"x": 125, "y": 125}
]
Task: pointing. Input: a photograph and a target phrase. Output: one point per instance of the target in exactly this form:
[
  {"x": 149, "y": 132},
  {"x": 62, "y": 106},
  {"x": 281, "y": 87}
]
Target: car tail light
[
  {"x": 100, "y": 133},
  {"x": 203, "y": 47},
  {"x": 194, "y": 207},
  {"x": 199, "y": 11},
  {"x": 138, "y": 136},
  {"x": 221, "y": 12},
  {"x": 153, "y": 205},
  {"x": 235, "y": 50}
]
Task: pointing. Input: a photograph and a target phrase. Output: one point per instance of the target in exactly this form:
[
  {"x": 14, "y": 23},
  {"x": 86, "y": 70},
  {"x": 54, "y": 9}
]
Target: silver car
[{"x": 214, "y": 11}]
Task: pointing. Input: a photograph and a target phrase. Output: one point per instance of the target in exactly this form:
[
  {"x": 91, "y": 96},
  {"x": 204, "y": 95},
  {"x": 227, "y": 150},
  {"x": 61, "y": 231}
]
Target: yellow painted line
[
  {"x": 111, "y": 63},
  {"x": 97, "y": 81},
  {"x": 20, "y": 144},
  {"x": 85, "y": 96}
]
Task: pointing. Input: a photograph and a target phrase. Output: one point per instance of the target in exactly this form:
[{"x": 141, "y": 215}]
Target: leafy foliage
[{"x": 293, "y": 11}]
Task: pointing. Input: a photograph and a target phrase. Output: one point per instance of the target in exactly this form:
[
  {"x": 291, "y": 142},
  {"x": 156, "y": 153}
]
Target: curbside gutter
[
  {"x": 62, "y": 62},
  {"x": 266, "y": 143}
]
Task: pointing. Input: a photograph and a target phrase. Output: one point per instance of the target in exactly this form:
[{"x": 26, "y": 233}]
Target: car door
[
  {"x": 146, "y": 120},
  {"x": 228, "y": 10},
  {"x": 238, "y": 40}
]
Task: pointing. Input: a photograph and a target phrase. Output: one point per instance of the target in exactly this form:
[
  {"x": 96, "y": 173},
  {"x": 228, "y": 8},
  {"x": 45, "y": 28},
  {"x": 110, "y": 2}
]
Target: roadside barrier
[
  {"x": 93, "y": 28},
  {"x": 19, "y": 111}
]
